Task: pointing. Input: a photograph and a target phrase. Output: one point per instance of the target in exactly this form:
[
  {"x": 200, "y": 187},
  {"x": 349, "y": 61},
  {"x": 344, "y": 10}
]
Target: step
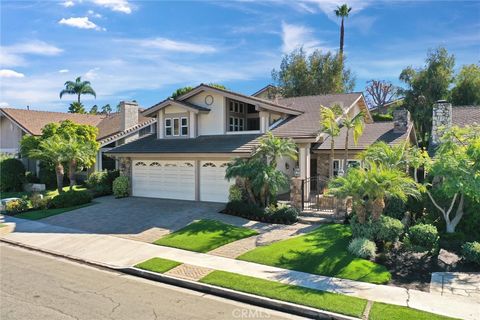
[{"x": 314, "y": 220}]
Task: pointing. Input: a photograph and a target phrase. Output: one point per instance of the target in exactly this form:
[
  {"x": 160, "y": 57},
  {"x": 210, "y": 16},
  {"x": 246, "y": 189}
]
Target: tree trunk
[
  {"x": 59, "y": 173},
  {"x": 71, "y": 173},
  {"x": 78, "y": 98},
  {"x": 342, "y": 35},
  {"x": 332, "y": 148},
  {"x": 360, "y": 211},
  {"x": 451, "y": 225},
  {"x": 248, "y": 188},
  {"x": 345, "y": 164},
  {"x": 377, "y": 208}
]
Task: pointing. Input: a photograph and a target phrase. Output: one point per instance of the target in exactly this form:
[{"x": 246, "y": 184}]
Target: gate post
[{"x": 296, "y": 193}]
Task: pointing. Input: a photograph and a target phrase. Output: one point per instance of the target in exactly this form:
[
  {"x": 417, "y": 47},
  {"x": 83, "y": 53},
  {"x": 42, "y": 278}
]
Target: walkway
[{"x": 119, "y": 253}]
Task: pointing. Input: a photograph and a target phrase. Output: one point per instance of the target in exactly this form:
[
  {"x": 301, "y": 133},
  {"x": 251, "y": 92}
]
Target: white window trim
[
  {"x": 184, "y": 126},
  {"x": 173, "y": 131},
  {"x": 180, "y": 127},
  {"x": 169, "y": 127}
]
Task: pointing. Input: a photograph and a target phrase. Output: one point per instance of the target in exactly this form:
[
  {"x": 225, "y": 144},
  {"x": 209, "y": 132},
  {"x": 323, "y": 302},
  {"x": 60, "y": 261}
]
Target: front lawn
[
  {"x": 322, "y": 251},
  {"x": 158, "y": 265},
  {"x": 383, "y": 311},
  {"x": 54, "y": 193},
  {"x": 45, "y": 213},
  {"x": 48, "y": 193},
  {"x": 308, "y": 297},
  {"x": 205, "y": 235},
  {"x": 12, "y": 194}
]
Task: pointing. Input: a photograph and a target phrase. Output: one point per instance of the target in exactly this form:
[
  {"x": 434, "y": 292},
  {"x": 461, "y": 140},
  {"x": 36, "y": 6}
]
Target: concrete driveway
[{"x": 147, "y": 219}]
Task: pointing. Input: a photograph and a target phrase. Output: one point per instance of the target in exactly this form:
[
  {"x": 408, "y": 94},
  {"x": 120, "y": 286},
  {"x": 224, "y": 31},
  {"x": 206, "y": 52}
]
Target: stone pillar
[
  {"x": 401, "y": 120},
  {"x": 441, "y": 119},
  {"x": 296, "y": 193}
]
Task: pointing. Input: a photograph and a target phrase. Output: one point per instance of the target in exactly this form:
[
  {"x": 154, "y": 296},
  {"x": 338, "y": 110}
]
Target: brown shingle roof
[
  {"x": 465, "y": 115},
  {"x": 373, "y": 132},
  {"x": 308, "y": 123},
  {"x": 32, "y": 121}
]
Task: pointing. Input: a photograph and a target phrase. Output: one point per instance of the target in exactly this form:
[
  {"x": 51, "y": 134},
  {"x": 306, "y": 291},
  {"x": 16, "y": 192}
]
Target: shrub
[
  {"x": 234, "y": 193},
  {"x": 47, "y": 175},
  {"x": 365, "y": 230},
  {"x": 244, "y": 209},
  {"x": 379, "y": 117},
  {"x": 362, "y": 248},
  {"x": 70, "y": 199},
  {"x": 31, "y": 178},
  {"x": 388, "y": 229},
  {"x": 16, "y": 206},
  {"x": 452, "y": 241},
  {"x": 273, "y": 214},
  {"x": 471, "y": 251},
  {"x": 101, "y": 182},
  {"x": 12, "y": 175},
  {"x": 422, "y": 237},
  {"x": 120, "y": 187},
  {"x": 38, "y": 201},
  {"x": 282, "y": 214},
  {"x": 395, "y": 208}
]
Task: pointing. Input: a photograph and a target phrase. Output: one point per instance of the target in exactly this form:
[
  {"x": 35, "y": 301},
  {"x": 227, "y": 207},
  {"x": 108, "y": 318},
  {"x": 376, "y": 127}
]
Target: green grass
[
  {"x": 48, "y": 193},
  {"x": 382, "y": 311},
  {"x": 204, "y": 235},
  {"x": 40, "y": 214},
  {"x": 12, "y": 194},
  {"x": 322, "y": 251},
  {"x": 158, "y": 265},
  {"x": 53, "y": 193},
  {"x": 313, "y": 298}
]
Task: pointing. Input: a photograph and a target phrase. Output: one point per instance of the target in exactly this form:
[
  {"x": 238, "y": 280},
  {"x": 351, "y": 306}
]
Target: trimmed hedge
[
  {"x": 70, "y": 199},
  {"x": 422, "y": 237},
  {"x": 101, "y": 182},
  {"x": 12, "y": 175},
  {"x": 387, "y": 229},
  {"x": 120, "y": 187},
  {"x": 280, "y": 214},
  {"x": 471, "y": 252}
]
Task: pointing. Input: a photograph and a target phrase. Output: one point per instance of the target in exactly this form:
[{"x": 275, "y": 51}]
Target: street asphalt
[{"x": 38, "y": 286}]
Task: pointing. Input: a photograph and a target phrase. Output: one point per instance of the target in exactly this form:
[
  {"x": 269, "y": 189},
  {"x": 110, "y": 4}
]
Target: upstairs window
[{"x": 176, "y": 127}]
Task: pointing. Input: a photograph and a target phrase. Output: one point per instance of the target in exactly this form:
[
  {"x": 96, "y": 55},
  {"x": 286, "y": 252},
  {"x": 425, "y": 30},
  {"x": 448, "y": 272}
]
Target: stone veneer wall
[
  {"x": 323, "y": 165},
  {"x": 401, "y": 120},
  {"x": 126, "y": 170},
  {"x": 296, "y": 193},
  {"x": 441, "y": 119}
]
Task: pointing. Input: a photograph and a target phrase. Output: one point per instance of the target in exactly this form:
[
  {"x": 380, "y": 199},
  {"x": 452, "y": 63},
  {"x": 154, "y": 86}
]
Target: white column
[
  {"x": 264, "y": 123},
  {"x": 192, "y": 124},
  {"x": 160, "y": 124},
  {"x": 304, "y": 164}
]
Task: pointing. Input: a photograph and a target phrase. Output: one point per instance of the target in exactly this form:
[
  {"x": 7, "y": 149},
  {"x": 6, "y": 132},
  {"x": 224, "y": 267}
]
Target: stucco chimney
[
  {"x": 441, "y": 119},
  {"x": 128, "y": 114},
  {"x": 401, "y": 120}
]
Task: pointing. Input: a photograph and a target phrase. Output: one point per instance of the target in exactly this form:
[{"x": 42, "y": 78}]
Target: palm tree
[
  {"x": 52, "y": 150},
  {"x": 356, "y": 123},
  {"x": 272, "y": 148},
  {"x": 380, "y": 153},
  {"x": 78, "y": 88},
  {"x": 351, "y": 185},
  {"x": 78, "y": 152},
  {"x": 342, "y": 12},
  {"x": 329, "y": 125}
]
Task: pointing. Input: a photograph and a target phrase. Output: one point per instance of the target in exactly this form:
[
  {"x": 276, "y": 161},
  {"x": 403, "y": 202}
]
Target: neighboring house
[
  {"x": 387, "y": 107},
  {"x": 114, "y": 129},
  {"x": 445, "y": 116},
  {"x": 201, "y": 131}
]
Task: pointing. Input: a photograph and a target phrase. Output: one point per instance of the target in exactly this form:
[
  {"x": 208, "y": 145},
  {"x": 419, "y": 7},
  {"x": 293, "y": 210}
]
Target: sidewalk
[{"x": 117, "y": 252}]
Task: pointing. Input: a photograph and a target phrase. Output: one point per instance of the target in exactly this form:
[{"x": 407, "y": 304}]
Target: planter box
[{"x": 34, "y": 187}]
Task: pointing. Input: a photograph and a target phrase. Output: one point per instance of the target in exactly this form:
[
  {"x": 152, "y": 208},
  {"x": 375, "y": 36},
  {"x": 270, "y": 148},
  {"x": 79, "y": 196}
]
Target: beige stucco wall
[
  {"x": 212, "y": 122},
  {"x": 10, "y": 135}
]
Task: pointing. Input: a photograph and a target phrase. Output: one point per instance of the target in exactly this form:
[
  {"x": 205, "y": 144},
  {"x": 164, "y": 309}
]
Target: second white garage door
[
  {"x": 213, "y": 185},
  {"x": 163, "y": 179}
]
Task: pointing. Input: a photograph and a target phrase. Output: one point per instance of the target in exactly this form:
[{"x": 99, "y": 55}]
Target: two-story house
[{"x": 199, "y": 132}]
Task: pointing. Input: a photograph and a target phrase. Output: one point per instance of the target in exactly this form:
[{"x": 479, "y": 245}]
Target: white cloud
[
  {"x": 94, "y": 14},
  {"x": 67, "y": 4},
  {"x": 80, "y": 22},
  {"x": 115, "y": 5},
  {"x": 4, "y": 104},
  {"x": 13, "y": 55},
  {"x": 7, "y": 73},
  {"x": 297, "y": 36},
  {"x": 328, "y": 6},
  {"x": 63, "y": 71},
  {"x": 172, "y": 45},
  {"x": 91, "y": 74}
]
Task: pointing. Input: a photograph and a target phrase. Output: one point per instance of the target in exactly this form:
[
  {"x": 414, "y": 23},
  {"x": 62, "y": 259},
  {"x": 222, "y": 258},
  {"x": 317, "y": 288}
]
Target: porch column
[
  {"x": 192, "y": 124},
  {"x": 264, "y": 121},
  {"x": 160, "y": 124},
  {"x": 304, "y": 164}
]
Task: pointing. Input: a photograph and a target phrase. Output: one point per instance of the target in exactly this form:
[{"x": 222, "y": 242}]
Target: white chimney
[
  {"x": 128, "y": 114},
  {"x": 441, "y": 120}
]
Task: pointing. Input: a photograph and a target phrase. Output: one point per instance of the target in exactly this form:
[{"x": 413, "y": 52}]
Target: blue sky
[{"x": 145, "y": 50}]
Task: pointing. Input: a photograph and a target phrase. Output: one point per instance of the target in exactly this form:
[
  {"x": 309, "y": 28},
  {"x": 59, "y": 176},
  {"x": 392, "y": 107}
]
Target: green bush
[
  {"x": 101, "y": 182},
  {"x": 471, "y": 252},
  {"x": 365, "y": 230},
  {"x": 388, "y": 229},
  {"x": 12, "y": 175},
  {"x": 70, "y": 199},
  {"x": 452, "y": 241},
  {"x": 282, "y": 214},
  {"x": 47, "y": 175},
  {"x": 422, "y": 237},
  {"x": 244, "y": 209},
  {"x": 234, "y": 193},
  {"x": 362, "y": 248},
  {"x": 395, "y": 208},
  {"x": 273, "y": 214},
  {"x": 379, "y": 117},
  {"x": 16, "y": 206},
  {"x": 38, "y": 201},
  {"x": 31, "y": 178},
  {"x": 120, "y": 187}
]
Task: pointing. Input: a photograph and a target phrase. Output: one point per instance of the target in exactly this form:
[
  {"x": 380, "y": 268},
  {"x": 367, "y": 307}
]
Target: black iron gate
[{"x": 313, "y": 195}]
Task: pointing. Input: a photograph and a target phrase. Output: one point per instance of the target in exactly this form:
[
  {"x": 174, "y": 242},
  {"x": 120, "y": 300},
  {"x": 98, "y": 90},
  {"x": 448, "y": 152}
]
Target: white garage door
[
  {"x": 163, "y": 179},
  {"x": 213, "y": 185}
]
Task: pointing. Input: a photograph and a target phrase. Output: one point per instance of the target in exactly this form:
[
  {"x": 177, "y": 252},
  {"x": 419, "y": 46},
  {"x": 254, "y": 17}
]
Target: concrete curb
[{"x": 237, "y": 295}]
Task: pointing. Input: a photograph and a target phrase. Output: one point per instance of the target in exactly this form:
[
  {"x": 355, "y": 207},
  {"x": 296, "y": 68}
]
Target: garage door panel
[{"x": 213, "y": 185}]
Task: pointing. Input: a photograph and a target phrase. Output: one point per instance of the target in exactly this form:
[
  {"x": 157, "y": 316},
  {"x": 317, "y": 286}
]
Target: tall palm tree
[
  {"x": 78, "y": 152},
  {"x": 78, "y": 88},
  {"x": 356, "y": 123},
  {"x": 342, "y": 12},
  {"x": 380, "y": 153},
  {"x": 272, "y": 148},
  {"x": 329, "y": 125},
  {"x": 52, "y": 150}
]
